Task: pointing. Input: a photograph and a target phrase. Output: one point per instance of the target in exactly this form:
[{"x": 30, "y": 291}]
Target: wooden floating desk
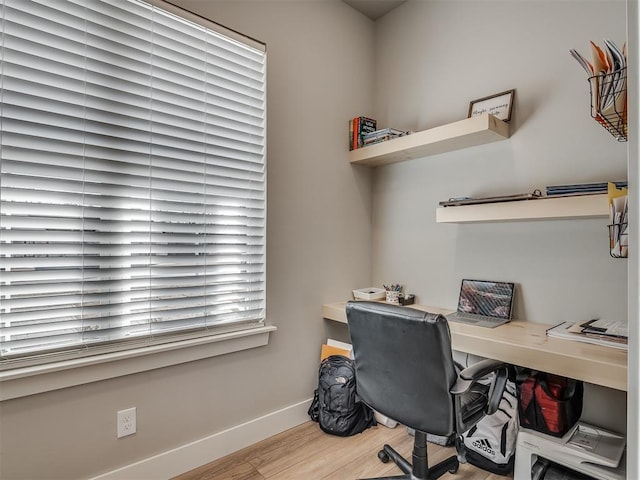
[{"x": 526, "y": 344}]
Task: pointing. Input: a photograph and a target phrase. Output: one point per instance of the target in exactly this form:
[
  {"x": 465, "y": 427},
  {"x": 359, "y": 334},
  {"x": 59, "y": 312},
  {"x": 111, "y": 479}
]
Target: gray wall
[
  {"x": 433, "y": 58},
  {"x": 318, "y": 247},
  {"x": 428, "y": 60}
]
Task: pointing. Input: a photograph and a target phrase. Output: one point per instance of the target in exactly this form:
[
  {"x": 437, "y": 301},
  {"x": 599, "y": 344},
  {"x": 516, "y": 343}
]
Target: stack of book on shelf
[
  {"x": 362, "y": 132},
  {"x": 358, "y": 128},
  {"x": 382, "y": 135},
  {"x": 599, "y": 332},
  {"x": 581, "y": 188}
]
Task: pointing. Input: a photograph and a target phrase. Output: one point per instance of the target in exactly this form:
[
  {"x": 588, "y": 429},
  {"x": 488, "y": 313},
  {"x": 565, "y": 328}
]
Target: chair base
[{"x": 419, "y": 470}]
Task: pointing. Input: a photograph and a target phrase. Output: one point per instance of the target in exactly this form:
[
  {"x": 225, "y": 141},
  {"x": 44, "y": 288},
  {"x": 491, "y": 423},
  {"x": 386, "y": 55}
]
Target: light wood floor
[{"x": 307, "y": 453}]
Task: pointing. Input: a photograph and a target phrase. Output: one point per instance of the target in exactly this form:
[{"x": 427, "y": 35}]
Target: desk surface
[{"x": 526, "y": 344}]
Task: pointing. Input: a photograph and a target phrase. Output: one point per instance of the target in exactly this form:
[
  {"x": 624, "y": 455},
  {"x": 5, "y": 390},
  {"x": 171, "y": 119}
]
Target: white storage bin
[{"x": 370, "y": 293}]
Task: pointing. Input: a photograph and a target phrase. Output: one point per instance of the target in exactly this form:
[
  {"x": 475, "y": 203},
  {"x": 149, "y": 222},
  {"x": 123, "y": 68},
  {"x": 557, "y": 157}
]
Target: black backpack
[{"x": 335, "y": 405}]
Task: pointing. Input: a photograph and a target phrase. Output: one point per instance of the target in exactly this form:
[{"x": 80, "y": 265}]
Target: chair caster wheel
[
  {"x": 454, "y": 469},
  {"x": 382, "y": 455}
]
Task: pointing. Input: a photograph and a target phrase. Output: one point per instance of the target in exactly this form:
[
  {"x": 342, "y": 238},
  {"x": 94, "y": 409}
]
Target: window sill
[{"x": 20, "y": 382}]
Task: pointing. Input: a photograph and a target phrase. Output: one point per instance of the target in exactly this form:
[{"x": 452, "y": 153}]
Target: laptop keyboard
[
  {"x": 471, "y": 318},
  {"x": 480, "y": 320}
]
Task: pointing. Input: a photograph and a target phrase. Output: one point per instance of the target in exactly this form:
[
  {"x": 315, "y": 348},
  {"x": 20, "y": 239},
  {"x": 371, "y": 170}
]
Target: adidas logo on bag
[{"x": 484, "y": 445}]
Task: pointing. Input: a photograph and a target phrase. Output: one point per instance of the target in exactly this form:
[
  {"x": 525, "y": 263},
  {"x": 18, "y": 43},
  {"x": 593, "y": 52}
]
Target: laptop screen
[{"x": 481, "y": 297}]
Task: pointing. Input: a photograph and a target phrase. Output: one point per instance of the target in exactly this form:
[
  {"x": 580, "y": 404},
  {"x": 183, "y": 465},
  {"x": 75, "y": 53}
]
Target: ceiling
[{"x": 374, "y": 9}]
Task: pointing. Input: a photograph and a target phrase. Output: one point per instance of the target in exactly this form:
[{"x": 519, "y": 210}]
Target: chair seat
[{"x": 474, "y": 401}]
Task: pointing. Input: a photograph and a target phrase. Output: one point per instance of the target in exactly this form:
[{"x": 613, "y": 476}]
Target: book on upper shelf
[
  {"x": 382, "y": 135},
  {"x": 581, "y": 188},
  {"x": 358, "y": 128}
]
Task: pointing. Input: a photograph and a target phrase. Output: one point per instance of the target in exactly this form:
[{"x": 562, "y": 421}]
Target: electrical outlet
[{"x": 126, "y": 420}]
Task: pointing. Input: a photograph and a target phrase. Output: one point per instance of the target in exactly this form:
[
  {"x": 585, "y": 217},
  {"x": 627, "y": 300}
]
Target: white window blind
[{"x": 132, "y": 177}]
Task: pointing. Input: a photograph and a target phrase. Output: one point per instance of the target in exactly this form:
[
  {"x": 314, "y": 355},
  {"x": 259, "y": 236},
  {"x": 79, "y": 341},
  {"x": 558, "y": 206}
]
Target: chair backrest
[{"x": 404, "y": 364}]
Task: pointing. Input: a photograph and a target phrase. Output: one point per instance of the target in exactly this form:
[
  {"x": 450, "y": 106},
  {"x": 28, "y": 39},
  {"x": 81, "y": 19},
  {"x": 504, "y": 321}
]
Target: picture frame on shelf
[{"x": 499, "y": 105}]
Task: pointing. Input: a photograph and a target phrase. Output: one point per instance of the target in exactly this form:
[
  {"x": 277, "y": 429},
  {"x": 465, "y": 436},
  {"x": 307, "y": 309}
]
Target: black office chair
[{"x": 405, "y": 371}]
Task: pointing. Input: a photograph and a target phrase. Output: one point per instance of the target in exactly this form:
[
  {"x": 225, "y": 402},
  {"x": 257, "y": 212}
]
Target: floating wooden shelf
[
  {"x": 446, "y": 138},
  {"x": 547, "y": 208}
]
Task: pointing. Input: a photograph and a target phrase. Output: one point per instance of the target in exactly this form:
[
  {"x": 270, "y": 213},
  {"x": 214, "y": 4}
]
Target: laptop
[{"x": 484, "y": 303}]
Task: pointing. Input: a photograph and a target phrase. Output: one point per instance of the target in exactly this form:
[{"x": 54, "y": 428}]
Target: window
[{"x": 132, "y": 178}]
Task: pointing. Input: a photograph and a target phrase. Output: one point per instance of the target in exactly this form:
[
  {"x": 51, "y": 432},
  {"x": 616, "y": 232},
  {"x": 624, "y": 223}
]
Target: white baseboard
[{"x": 194, "y": 454}]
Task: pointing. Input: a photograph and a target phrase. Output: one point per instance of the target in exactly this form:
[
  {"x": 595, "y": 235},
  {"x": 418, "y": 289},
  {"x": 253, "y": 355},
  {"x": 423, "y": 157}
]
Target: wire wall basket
[
  {"x": 618, "y": 240},
  {"x": 609, "y": 102}
]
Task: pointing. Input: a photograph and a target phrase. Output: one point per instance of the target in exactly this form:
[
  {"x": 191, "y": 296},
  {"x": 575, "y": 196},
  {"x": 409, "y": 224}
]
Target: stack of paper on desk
[
  {"x": 598, "y": 332},
  {"x": 608, "y": 328}
]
